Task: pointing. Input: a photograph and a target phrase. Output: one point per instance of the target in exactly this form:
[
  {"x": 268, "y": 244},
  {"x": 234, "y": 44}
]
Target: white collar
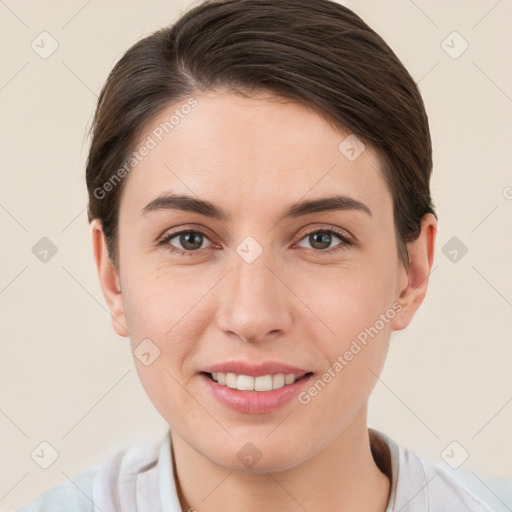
[{"x": 142, "y": 478}]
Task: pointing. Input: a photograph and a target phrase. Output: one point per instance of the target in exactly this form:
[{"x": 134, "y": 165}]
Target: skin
[{"x": 253, "y": 157}]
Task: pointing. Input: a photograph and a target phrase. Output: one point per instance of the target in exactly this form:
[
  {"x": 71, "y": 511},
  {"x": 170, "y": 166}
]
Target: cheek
[
  {"x": 167, "y": 306},
  {"x": 156, "y": 296},
  {"x": 355, "y": 309},
  {"x": 349, "y": 300},
  {"x": 353, "y": 336},
  {"x": 164, "y": 320}
]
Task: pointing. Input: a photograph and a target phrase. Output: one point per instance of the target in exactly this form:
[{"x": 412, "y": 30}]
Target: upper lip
[{"x": 253, "y": 369}]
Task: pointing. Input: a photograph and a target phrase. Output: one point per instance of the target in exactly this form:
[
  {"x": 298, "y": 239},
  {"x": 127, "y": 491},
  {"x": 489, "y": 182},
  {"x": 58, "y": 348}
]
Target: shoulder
[
  {"x": 117, "y": 480},
  {"x": 445, "y": 489},
  {"x": 495, "y": 491},
  {"x": 476, "y": 492},
  {"x": 75, "y": 493},
  {"x": 420, "y": 485}
]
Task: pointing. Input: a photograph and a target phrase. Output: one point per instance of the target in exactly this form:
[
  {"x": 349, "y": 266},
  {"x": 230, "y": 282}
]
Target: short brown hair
[{"x": 315, "y": 52}]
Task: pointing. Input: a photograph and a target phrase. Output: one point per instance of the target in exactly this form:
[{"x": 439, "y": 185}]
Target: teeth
[
  {"x": 278, "y": 381},
  {"x": 231, "y": 380},
  {"x": 248, "y": 383},
  {"x": 289, "y": 379}
]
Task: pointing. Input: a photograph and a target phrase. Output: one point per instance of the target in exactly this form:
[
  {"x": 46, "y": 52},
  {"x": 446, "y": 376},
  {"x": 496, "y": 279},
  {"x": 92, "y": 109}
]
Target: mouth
[{"x": 269, "y": 382}]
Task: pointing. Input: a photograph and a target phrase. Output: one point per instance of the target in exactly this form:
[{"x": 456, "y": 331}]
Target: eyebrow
[{"x": 171, "y": 201}]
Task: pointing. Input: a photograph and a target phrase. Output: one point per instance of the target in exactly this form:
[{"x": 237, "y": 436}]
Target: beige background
[{"x": 68, "y": 379}]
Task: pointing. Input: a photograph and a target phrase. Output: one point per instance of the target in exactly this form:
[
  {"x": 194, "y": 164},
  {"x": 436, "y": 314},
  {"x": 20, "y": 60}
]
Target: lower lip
[{"x": 255, "y": 402}]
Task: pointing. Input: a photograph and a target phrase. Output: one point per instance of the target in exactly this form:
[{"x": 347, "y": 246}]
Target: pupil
[
  {"x": 320, "y": 238},
  {"x": 188, "y": 240}
]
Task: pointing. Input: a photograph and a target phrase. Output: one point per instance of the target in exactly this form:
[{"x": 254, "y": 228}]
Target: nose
[{"x": 254, "y": 303}]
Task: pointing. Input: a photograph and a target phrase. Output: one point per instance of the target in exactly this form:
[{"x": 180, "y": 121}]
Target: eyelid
[
  {"x": 336, "y": 230},
  {"x": 163, "y": 241},
  {"x": 171, "y": 232},
  {"x": 347, "y": 239}
]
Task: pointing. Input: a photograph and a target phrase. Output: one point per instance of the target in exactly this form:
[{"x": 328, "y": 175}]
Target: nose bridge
[
  {"x": 255, "y": 281},
  {"x": 254, "y": 301}
]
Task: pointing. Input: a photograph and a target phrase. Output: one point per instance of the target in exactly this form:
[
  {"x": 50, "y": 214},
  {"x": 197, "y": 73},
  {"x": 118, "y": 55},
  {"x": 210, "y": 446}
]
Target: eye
[
  {"x": 190, "y": 241},
  {"x": 321, "y": 239}
]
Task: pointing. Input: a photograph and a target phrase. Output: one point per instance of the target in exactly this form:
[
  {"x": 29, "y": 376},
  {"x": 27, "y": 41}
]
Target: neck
[{"x": 342, "y": 477}]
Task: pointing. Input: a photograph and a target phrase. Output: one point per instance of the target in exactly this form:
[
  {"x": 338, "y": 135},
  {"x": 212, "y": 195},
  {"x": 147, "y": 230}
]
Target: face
[{"x": 257, "y": 284}]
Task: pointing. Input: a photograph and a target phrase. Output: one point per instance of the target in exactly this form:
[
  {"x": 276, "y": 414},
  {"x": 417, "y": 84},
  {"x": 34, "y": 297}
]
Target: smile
[{"x": 248, "y": 383}]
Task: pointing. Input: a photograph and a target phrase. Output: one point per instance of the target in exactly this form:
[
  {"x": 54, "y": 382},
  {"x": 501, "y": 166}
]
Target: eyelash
[{"x": 346, "y": 241}]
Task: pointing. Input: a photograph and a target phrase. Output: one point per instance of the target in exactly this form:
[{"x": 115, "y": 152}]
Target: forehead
[{"x": 250, "y": 152}]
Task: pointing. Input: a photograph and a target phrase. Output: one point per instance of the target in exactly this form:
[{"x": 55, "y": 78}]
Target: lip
[
  {"x": 254, "y": 402},
  {"x": 254, "y": 370}
]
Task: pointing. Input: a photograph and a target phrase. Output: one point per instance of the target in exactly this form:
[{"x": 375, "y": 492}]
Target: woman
[{"x": 261, "y": 220}]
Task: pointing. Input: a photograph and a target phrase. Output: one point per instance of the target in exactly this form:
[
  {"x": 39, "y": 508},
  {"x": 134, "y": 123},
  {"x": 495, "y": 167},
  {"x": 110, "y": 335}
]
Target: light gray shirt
[{"x": 141, "y": 479}]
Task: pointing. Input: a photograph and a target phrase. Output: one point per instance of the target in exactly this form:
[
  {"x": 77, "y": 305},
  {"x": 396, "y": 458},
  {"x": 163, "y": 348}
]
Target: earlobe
[
  {"x": 421, "y": 257},
  {"x": 109, "y": 280}
]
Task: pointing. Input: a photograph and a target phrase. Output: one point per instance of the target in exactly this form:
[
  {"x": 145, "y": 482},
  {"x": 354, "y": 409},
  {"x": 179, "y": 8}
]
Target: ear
[
  {"x": 109, "y": 280},
  {"x": 421, "y": 257}
]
